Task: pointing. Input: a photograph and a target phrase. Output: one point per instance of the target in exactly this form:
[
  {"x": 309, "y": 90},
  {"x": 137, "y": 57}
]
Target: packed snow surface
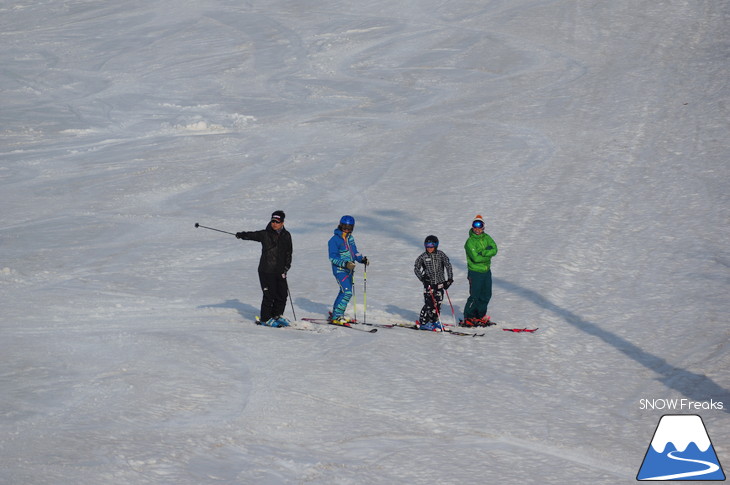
[{"x": 592, "y": 136}]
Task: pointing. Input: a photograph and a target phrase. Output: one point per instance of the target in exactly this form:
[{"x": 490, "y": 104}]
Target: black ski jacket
[{"x": 276, "y": 248}]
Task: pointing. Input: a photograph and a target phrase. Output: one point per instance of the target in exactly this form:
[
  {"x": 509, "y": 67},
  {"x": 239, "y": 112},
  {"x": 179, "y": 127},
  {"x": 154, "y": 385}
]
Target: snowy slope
[{"x": 592, "y": 136}]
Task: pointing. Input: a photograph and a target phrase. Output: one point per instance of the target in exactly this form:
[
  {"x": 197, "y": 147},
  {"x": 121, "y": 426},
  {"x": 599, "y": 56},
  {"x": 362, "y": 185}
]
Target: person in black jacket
[{"x": 276, "y": 256}]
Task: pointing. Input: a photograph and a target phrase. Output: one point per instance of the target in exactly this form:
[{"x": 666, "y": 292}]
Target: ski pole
[
  {"x": 453, "y": 313},
  {"x": 291, "y": 302},
  {"x": 213, "y": 229},
  {"x": 365, "y": 294}
]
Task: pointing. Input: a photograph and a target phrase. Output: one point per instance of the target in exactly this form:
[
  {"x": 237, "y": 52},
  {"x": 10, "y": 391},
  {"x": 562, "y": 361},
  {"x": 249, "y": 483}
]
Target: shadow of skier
[{"x": 246, "y": 311}]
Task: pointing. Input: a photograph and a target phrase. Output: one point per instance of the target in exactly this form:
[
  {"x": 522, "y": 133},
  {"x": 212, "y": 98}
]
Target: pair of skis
[
  {"x": 375, "y": 326},
  {"x": 326, "y": 321},
  {"x": 488, "y": 323},
  {"x": 457, "y": 332},
  {"x": 444, "y": 330},
  {"x": 352, "y": 325}
]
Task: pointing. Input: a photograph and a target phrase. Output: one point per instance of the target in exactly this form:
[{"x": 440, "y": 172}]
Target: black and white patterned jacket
[{"x": 430, "y": 268}]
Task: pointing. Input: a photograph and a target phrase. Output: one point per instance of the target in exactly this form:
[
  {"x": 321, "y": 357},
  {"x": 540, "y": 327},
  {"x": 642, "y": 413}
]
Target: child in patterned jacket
[{"x": 433, "y": 269}]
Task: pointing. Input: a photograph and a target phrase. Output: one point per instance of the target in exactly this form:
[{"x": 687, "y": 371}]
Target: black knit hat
[{"x": 278, "y": 216}]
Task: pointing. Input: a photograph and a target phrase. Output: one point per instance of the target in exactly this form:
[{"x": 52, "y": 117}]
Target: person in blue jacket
[{"x": 343, "y": 255}]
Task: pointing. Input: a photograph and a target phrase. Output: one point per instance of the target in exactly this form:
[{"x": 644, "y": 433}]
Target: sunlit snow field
[{"x": 592, "y": 137}]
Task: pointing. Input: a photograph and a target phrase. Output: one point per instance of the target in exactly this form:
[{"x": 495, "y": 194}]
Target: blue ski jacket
[{"x": 342, "y": 249}]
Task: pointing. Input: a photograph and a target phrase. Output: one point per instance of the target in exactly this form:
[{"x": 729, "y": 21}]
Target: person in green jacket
[{"x": 480, "y": 248}]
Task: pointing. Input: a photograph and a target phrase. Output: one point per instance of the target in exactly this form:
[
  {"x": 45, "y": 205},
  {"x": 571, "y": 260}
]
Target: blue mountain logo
[{"x": 681, "y": 450}]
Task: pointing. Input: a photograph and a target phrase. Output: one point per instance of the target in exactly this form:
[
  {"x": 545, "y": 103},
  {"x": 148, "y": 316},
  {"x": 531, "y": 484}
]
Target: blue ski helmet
[{"x": 347, "y": 224}]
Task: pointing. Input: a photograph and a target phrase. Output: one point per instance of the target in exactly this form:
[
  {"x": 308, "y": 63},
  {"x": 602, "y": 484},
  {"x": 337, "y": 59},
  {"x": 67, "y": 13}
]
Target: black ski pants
[
  {"x": 275, "y": 289},
  {"x": 431, "y": 310}
]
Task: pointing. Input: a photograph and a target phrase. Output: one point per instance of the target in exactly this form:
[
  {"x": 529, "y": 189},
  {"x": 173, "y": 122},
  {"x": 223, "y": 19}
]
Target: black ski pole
[
  {"x": 291, "y": 301},
  {"x": 214, "y": 229}
]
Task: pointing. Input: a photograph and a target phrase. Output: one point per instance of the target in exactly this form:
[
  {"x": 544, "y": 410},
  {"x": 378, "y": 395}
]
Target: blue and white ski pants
[{"x": 345, "y": 280}]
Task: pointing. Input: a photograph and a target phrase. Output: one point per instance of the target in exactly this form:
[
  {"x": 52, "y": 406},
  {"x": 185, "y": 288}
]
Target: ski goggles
[
  {"x": 347, "y": 227},
  {"x": 477, "y": 224},
  {"x": 431, "y": 245}
]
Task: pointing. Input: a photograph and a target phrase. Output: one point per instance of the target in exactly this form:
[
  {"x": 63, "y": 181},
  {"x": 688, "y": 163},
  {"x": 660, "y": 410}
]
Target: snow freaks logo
[
  {"x": 680, "y": 405},
  {"x": 681, "y": 450}
]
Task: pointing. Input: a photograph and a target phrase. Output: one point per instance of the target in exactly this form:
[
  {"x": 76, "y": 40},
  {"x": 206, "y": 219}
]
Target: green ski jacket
[{"x": 480, "y": 248}]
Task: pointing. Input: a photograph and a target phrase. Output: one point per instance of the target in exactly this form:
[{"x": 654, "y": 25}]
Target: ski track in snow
[{"x": 591, "y": 136}]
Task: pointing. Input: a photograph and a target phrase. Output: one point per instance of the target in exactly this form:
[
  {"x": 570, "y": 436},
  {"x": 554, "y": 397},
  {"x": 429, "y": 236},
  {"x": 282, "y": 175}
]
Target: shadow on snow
[{"x": 695, "y": 386}]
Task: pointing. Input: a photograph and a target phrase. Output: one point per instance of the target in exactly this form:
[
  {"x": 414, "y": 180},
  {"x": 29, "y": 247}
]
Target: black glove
[
  {"x": 426, "y": 282},
  {"x": 365, "y": 260},
  {"x": 239, "y": 235},
  {"x": 448, "y": 283}
]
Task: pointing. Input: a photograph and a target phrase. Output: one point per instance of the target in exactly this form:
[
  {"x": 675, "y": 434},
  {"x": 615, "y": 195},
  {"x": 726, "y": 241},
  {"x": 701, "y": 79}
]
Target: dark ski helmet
[{"x": 431, "y": 241}]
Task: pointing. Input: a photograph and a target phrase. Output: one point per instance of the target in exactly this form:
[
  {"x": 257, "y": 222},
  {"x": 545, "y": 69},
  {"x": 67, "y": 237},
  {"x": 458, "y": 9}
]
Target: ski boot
[
  {"x": 475, "y": 322},
  {"x": 273, "y": 322},
  {"x": 430, "y": 326},
  {"x": 339, "y": 320},
  {"x": 282, "y": 321}
]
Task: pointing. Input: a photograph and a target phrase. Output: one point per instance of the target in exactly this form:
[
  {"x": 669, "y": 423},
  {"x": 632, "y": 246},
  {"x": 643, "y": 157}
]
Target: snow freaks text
[{"x": 679, "y": 405}]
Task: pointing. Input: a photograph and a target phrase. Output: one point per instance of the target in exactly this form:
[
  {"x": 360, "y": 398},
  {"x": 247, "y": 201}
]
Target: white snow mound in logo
[{"x": 680, "y": 430}]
